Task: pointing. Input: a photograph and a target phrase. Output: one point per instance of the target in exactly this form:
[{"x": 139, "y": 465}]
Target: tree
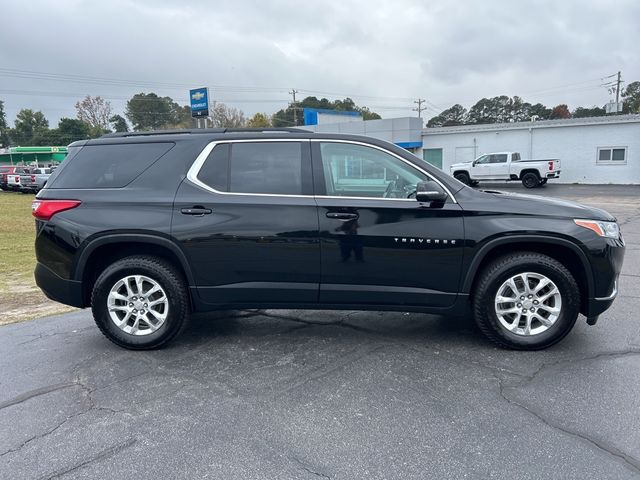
[
  {"x": 259, "y": 120},
  {"x": 560, "y": 111},
  {"x": 582, "y": 112},
  {"x": 540, "y": 111},
  {"x": 149, "y": 111},
  {"x": 455, "y": 115},
  {"x": 484, "y": 111},
  {"x": 69, "y": 130},
  {"x": 4, "y": 128},
  {"x": 631, "y": 98},
  {"x": 31, "y": 128},
  {"x": 227, "y": 117},
  {"x": 94, "y": 111},
  {"x": 118, "y": 123}
]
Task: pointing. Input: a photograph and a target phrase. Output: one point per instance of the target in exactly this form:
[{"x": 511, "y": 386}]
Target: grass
[{"x": 20, "y": 298}]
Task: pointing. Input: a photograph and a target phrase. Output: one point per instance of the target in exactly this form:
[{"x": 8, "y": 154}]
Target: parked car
[
  {"x": 5, "y": 171},
  {"x": 506, "y": 166},
  {"x": 146, "y": 228},
  {"x": 35, "y": 180},
  {"x": 13, "y": 178}
]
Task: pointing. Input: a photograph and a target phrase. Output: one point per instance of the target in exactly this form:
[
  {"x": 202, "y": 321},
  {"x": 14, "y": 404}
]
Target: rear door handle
[
  {"x": 342, "y": 215},
  {"x": 197, "y": 211}
]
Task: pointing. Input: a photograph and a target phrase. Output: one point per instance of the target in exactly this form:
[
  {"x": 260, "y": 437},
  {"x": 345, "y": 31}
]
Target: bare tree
[
  {"x": 95, "y": 111},
  {"x": 229, "y": 117}
]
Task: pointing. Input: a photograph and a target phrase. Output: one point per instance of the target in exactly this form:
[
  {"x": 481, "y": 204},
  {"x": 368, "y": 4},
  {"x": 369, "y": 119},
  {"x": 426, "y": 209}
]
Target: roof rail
[{"x": 202, "y": 131}]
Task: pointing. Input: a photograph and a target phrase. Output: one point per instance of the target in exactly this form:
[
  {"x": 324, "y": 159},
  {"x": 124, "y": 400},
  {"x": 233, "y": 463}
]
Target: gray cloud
[{"x": 383, "y": 53}]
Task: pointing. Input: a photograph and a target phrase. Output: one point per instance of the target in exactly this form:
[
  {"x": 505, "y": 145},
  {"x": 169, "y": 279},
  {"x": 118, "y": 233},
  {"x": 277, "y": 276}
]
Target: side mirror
[{"x": 430, "y": 191}]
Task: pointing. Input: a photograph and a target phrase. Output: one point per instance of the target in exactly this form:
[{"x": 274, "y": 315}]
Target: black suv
[{"x": 147, "y": 228}]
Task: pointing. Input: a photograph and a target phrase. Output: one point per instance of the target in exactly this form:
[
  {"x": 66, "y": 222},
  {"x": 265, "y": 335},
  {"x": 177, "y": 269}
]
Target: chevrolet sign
[{"x": 199, "y": 101}]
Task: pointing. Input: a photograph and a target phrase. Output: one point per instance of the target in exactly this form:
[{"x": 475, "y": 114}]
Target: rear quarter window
[{"x": 108, "y": 166}]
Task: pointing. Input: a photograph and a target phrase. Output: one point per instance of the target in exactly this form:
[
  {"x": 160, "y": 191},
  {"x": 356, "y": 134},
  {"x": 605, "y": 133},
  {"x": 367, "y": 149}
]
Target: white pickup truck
[{"x": 506, "y": 166}]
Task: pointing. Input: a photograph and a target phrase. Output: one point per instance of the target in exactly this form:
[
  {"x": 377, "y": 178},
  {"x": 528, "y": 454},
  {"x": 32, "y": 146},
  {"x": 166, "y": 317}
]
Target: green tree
[
  {"x": 31, "y": 128},
  {"x": 118, "y": 123},
  {"x": 259, "y": 120},
  {"x": 455, "y": 115},
  {"x": 4, "y": 128},
  {"x": 540, "y": 111},
  {"x": 582, "y": 112},
  {"x": 560, "y": 111},
  {"x": 149, "y": 111},
  {"x": 69, "y": 130},
  {"x": 631, "y": 98}
]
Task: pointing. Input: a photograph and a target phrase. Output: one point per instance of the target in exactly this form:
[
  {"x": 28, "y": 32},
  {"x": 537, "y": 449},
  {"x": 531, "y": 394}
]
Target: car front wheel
[
  {"x": 526, "y": 301},
  {"x": 140, "y": 302}
]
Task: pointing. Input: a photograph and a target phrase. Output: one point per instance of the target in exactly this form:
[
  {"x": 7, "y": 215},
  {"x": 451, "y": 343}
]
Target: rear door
[
  {"x": 379, "y": 245},
  {"x": 247, "y": 220},
  {"x": 498, "y": 166}
]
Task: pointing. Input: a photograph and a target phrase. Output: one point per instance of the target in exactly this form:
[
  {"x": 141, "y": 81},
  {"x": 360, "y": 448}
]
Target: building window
[{"x": 612, "y": 155}]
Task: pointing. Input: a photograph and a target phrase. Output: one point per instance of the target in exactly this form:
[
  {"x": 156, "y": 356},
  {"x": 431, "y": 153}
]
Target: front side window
[
  {"x": 360, "y": 171},
  {"x": 255, "y": 168},
  {"x": 484, "y": 159}
]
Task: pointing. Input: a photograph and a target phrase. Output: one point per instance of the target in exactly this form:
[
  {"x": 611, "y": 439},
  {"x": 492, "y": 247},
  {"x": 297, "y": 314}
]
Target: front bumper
[
  {"x": 57, "y": 288},
  {"x": 598, "y": 305}
]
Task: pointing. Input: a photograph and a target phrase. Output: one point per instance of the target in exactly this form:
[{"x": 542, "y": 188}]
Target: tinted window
[
  {"x": 515, "y": 157},
  {"x": 618, "y": 155},
  {"x": 215, "y": 170},
  {"x": 108, "y": 166},
  {"x": 604, "y": 155},
  {"x": 499, "y": 158},
  {"x": 268, "y": 167},
  {"x": 358, "y": 171}
]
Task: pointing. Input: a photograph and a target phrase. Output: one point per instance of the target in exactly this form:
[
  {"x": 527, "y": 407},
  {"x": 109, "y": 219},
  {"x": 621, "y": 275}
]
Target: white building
[{"x": 592, "y": 150}]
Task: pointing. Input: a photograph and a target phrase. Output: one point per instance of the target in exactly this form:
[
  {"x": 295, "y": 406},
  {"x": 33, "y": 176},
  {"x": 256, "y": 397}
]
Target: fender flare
[
  {"x": 129, "y": 238},
  {"x": 492, "y": 244}
]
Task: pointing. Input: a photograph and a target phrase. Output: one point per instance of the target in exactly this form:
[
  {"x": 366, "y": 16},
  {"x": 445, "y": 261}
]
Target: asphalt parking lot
[{"x": 308, "y": 394}]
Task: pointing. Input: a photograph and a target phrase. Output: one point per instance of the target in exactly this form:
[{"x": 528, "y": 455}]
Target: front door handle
[
  {"x": 342, "y": 215},
  {"x": 197, "y": 211}
]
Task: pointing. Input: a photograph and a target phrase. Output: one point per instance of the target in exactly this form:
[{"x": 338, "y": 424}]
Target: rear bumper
[
  {"x": 57, "y": 288},
  {"x": 553, "y": 174}
]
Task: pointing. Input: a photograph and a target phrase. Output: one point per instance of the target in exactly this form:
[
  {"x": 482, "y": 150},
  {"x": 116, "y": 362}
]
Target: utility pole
[
  {"x": 419, "y": 108},
  {"x": 295, "y": 108},
  {"x": 618, "y": 92}
]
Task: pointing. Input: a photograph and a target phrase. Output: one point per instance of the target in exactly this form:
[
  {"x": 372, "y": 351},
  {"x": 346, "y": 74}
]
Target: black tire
[
  {"x": 463, "y": 177},
  {"x": 530, "y": 180},
  {"x": 497, "y": 272},
  {"x": 163, "y": 273}
]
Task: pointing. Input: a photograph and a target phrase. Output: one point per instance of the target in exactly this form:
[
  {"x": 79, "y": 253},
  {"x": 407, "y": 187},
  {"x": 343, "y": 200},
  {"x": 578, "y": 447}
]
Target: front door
[
  {"x": 378, "y": 244},
  {"x": 247, "y": 221}
]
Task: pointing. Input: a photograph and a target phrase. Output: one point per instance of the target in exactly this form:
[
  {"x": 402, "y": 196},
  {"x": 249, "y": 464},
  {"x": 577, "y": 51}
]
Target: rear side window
[
  {"x": 108, "y": 166},
  {"x": 256, "y": 167}
]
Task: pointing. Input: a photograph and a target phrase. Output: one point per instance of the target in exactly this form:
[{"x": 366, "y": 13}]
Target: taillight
[
  {"x": 550, "y": 166},
  {"x": 33, "y": 178},
  {"x": 45, "y": 209}
]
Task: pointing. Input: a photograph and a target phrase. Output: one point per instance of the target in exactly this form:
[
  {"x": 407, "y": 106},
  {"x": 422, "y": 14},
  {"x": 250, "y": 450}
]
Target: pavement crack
[
  {"x": 308, "y": 469},
  {"x": 107, "y": 453},
  {"x": 627, "y": 460},
  {"x": 23, "y": 397}
]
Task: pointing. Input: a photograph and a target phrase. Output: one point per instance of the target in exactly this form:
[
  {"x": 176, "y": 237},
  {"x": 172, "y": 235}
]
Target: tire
[
  {"x": 492, "y": 280},
  {"x": 530, "y": 180},
  {"x": 463, "y": 177},
  {"x": 175, "y": 305}
]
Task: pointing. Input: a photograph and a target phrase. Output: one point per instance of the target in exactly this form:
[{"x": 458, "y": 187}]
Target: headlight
[{"x": 603, "y": 229}]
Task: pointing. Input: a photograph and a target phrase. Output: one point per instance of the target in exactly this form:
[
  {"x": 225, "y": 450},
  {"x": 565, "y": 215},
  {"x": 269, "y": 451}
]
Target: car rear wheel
[
  {"x": 140, "y": 302},
  {"x": 530, "y": 180},
  {"x": 463, "y": 177},
  {"x": 526, "y": 301}
]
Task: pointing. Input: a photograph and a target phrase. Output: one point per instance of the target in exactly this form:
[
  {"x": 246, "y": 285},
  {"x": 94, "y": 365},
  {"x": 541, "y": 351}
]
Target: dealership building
[{"x": 595, "y": 150}]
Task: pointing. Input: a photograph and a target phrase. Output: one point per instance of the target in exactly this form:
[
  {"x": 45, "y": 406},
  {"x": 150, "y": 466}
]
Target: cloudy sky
[{"x": 383, "y": 54}]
